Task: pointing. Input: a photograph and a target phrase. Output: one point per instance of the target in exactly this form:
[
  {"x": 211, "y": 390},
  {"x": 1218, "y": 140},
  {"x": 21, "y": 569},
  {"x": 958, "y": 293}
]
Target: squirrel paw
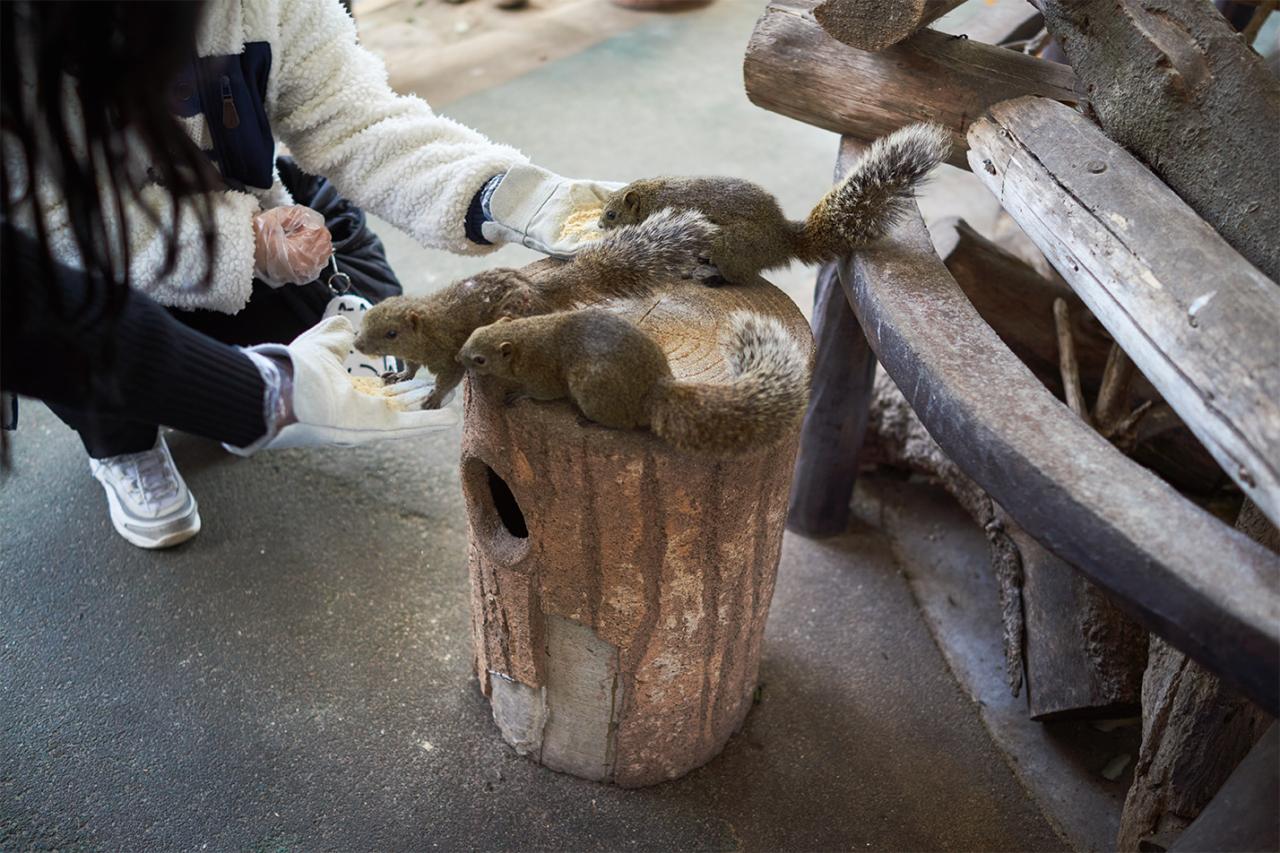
[
  {"x": 391, "y": 377},
  {"x": 434, "y": 400},
  {"x": 512, "y": 397},
  {"x": 707, "y": 273}
]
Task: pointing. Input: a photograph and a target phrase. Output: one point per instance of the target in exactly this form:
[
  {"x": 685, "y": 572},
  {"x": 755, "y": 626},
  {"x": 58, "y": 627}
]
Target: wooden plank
[
  {"x": 1199, "y": 321},
  {"x": 795, "y": 68},
  {"x": 836, "y": 420},
  {"x": 1172, "y": 81},
  {"x": 875, "y": 24},
  {"x": 1179, "y": 571}
]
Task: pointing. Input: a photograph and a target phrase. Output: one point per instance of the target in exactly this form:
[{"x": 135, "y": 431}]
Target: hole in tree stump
[{"x": 506, "y": 505}]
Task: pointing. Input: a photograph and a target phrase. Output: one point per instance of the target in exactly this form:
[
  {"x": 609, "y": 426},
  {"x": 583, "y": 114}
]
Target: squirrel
[
  {"x": 429, "y": 330},
  {"x": 619, "y": 377},
  {"x": 754, "y": 233}
]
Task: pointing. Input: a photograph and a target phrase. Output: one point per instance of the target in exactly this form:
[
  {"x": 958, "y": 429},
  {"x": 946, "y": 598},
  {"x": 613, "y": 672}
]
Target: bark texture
[
  {"x": 1173, "y": 82},
  {"x": 1195, "y": 730},
  {"x": 795, "y": 68},
  {"x": 620, "y": 586}
]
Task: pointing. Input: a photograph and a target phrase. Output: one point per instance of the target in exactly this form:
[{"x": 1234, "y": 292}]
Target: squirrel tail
[
  {"x": 875, "y": 194},
  {"x": 628, "y": 261},
  {"x": 767, "y": 393}
]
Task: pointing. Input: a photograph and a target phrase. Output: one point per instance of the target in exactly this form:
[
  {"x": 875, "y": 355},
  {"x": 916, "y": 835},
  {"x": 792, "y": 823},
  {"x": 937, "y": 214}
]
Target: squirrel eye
[
  {"x": 479, "y": 359},
  {"x": 391, "y": 333},
  {"x": 613, "y": 214}
]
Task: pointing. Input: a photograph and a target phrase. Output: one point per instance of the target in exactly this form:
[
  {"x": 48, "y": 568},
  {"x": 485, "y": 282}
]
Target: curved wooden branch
[{"x": 1182, "y": 573}]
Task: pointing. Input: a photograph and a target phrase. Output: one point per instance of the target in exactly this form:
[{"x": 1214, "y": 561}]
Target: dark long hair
[{"x": 85, "y": 99}]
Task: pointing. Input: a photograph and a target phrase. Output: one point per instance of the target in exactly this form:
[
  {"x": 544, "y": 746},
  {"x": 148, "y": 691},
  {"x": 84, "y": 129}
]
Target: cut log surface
[
  {"x": 795, "y": 68},
  {"x": 1173, "y": 82},
  {"x": 874, "y": 24},
  {"x": 620, "y": 586},
  {"x": 1198, "y": 319},
  {"x": 1182, "y": 573}
]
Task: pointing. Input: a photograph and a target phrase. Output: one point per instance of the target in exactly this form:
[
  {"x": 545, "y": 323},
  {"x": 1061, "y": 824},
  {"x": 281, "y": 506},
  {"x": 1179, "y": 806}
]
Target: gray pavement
[{"x": 298, "y": 676}]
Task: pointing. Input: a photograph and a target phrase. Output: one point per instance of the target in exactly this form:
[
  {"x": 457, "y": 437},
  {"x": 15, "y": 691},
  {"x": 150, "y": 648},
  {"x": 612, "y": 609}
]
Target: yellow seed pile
[
  {"x": 583, "y": 224},
  {"x": 369, "y": 385}
]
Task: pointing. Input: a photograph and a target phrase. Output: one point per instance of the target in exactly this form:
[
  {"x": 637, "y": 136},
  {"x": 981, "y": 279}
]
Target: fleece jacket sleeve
[{"x": 388, "y": 153}]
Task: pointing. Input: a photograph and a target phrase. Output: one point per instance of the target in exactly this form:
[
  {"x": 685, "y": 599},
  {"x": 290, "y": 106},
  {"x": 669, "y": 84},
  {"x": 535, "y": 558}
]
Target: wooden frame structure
[{"x": 1196, "y": 317}]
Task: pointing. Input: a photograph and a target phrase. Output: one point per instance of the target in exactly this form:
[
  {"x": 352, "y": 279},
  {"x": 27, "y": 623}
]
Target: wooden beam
[
  {"x": 836, "y": 420},
  {"x": 1199, "y": 321},
  {"x": 1243, "y": 814},
  {"x": 875, "y": 25},
  {"x": 795, "y": 68},
  {"x": 1179, "y": 571},
  {"x": 1172, "y": 81}
]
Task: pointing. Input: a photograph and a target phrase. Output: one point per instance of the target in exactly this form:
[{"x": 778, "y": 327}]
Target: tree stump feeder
[{"x": 619, "y": 586}]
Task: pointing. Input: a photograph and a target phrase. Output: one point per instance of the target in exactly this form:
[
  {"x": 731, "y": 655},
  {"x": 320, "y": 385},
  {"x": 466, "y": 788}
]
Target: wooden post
[
  {"x": 620, "y": 586},
  {"x": 795, "y": 68},
  {"x": 836, "y": 421}
]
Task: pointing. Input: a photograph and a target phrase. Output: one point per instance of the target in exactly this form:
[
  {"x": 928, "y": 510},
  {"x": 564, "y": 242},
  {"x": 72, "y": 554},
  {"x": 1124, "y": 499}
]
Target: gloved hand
[
  {"x": 529, "y": 205},
  {"x": 311, "y": 400},
  {"x": 291, "y": 245}
]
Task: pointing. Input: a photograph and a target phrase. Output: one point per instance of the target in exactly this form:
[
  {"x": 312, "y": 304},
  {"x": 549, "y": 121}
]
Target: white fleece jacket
[{"x": 328, "y": 100}]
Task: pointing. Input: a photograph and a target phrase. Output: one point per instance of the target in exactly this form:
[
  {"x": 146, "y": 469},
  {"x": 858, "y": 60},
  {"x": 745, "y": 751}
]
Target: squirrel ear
[
  {"x": 414, "y": 319},
  {"x": 631, "y": 199},
  {"x": 506, "y": 348}
]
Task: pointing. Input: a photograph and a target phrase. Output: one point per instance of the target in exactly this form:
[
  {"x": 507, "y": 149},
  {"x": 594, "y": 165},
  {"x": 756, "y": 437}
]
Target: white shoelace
[{"x": 147, "y": 476}]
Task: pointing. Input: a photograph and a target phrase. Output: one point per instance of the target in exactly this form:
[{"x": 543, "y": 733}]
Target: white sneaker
[{"x": 150, "y": 504}]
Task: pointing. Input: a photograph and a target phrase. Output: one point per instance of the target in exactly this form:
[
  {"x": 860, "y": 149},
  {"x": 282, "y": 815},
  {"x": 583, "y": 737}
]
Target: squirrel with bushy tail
[
  {"x": 754, "y": 235},
  {"x": 614, "y": 372}
]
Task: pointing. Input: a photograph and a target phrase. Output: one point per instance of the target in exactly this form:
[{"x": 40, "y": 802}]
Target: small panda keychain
[{"x": 347, "y": 304}]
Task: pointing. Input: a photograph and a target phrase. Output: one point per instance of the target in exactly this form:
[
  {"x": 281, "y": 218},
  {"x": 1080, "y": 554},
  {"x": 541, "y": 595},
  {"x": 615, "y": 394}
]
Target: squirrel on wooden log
[
  {"x": 430, "y": 330},
  {"x": 754, "y": 235},
  {"x": 620, "y": 378}
]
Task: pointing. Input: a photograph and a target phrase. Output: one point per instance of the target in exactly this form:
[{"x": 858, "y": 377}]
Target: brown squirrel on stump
[
  {"x": 619, "y": 377},
  {"x": 429, "y": 330},
  {"x": 754, "y": 235}
]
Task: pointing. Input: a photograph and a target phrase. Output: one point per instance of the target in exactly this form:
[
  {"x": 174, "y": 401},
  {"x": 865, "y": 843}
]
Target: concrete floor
[{"x": 297, "y": 677}]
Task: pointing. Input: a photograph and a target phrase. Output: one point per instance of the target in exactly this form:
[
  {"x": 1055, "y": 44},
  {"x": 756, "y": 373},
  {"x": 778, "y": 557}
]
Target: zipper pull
[{"x": 230, "y": 118}]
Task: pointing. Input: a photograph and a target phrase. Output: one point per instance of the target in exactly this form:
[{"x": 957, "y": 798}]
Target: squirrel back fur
[
  {"x": 619, "y": 377},
  {"x": 628, "y": 262},
  {"x": 755, "y": 235}
]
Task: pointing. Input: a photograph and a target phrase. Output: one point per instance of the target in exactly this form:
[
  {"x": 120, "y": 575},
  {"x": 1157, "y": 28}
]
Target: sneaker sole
[{"x": 176, "y": 531}]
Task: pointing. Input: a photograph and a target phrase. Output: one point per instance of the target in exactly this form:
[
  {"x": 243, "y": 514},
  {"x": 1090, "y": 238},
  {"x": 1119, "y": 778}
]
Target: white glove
[
  {"x": 529, "y": 206},
  {"x": 311, "y": 400},
  {"x": 291, "y": 245}
]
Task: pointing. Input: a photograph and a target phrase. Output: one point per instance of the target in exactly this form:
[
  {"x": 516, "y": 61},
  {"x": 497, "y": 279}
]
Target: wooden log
[
  {"x": 875, "y": 25},
  {"x": 620, "y": 586},
  {"x": 1242, "y": 817},
  {"x": 1195, "y": 730},
  {"x": 1179, "y": 571},
  {"x": 1171, "y": 81},
  {"x": 836, "y": 421},
  {"x": 1137, "y": 256},
  {"x": 795, "y": 68}
]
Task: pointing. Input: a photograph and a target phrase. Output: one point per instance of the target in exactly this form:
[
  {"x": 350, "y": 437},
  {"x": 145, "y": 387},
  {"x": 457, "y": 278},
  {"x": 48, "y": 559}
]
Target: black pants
[{"x": 273, "y": 315}]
